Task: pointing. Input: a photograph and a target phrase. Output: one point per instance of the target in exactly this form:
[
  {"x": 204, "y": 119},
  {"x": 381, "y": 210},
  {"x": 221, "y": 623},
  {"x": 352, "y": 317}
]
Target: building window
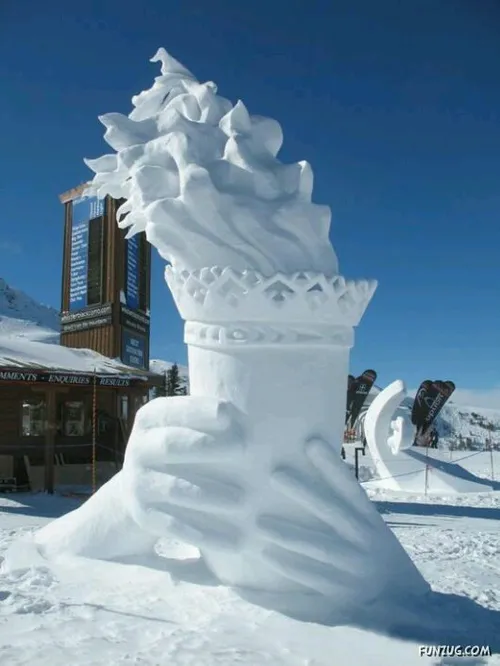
[
  {"x": 123, "y": 407},
  {"x": 73, "y": 419},
  {"x": 95, "y": 259},
  {"x": 33, "y": 418},
  {"x": 139, "y": 401}
]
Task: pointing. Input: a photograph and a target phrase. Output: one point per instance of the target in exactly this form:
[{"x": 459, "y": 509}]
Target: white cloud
[{"x": 481, "y": 398}]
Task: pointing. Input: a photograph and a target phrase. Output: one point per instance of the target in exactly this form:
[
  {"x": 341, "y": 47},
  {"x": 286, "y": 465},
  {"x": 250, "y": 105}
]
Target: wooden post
[
  {"x": 132, "y": 394},
  {"x": 50, "y": 395},
  {"x": 94, "y": 434},
  {"x": 50, "y": 439}
]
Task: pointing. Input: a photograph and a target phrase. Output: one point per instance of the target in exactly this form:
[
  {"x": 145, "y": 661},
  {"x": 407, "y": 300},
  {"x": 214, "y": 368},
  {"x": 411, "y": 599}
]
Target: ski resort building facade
[
  {"x": 66, "y": 409},
  {"x": 65, "y": 428}
]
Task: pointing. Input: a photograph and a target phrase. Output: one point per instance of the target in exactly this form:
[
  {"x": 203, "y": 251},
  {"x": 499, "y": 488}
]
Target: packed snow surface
[
  {"x": 168, "y": 609},
  {"x": 201, "y": 177}
]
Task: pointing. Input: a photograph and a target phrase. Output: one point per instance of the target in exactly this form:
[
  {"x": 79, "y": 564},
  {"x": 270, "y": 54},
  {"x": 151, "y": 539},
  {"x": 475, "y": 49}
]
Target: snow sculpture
[
  {"x": 247, "y": 468},
  {"x": 390, "y": 435}
]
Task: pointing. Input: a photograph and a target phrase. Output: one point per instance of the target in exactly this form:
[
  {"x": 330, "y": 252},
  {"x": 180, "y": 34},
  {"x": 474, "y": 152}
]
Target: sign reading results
[
  {"x": 84, "y": 210},
  {"x": 133, "y": 349},
  {"x": 133, "y": 275}
]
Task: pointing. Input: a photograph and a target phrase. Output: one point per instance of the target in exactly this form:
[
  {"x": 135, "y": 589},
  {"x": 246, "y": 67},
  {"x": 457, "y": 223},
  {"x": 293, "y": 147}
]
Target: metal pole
[
  {"x": 426, "y": 467},
  {"x": 356, "y": 459},
  {"x": 94, "y": 434},
  {"x": 491, "y": 461}
]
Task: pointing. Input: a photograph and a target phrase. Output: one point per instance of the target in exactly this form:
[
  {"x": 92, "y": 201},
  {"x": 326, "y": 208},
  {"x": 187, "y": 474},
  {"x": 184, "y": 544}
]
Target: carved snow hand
[
  {"x": 333, "y": 559},
  {"x": 179, "y": 480},
  {"x": 177, "y": 471}
]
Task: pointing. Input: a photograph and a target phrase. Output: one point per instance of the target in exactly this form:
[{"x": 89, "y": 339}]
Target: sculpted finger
[
  {"x": 208, "y": 537},
  {"x": 317, "y": 577},
  {"x": 338, "y": 476},
  {"x": 317, "y": 545},
  {"x": 212, "y": 496},
  {"x": 326, "y": 461},
  {"x": 179, "y": 446},
  {"x": 198, "y": 413},
  {"x": 196, "y": 530},
  {"x": 322, "y": 503}
]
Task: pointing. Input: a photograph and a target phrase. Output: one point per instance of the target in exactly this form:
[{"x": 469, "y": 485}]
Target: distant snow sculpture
[
  {"x": 247, "y": 468},
  {"x": 390, "y": 435}
]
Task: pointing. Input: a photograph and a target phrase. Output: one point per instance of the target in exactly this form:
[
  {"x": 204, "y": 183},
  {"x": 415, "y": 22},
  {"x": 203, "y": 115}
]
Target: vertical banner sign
[
  {"x": 83, "y": 210},
  {"x": 351, "y": 390},
  {"x": 419, "y": 408},
  {"x": 435, "y": 397},
  {"x": 132, "y": 286},
  {"x": 441, "y": 396},
  {"x": 363, "y": 385},
  {"x": 133, "y": 349}
]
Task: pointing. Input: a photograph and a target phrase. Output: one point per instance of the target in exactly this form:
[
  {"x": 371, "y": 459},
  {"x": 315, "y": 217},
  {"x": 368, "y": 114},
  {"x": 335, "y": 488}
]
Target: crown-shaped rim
[{"x": 223, "y": 295}]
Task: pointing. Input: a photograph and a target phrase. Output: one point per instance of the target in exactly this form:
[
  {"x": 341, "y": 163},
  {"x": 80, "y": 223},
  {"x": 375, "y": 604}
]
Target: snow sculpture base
[{"x": 400, "y": 466}]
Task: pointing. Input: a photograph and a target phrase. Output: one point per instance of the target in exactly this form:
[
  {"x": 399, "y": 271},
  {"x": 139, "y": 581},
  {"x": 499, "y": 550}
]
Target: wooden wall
[
  {"x": 102, "y": 339},
  {"x": 10, "y": 416},
  {"x": 12, "y": 395}
]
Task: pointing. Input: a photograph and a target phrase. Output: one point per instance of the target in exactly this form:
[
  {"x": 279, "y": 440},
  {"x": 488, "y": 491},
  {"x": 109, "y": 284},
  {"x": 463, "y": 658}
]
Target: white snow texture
[
  {"x": 247, "y": 468},
  {"x": 202, "y": 179}
]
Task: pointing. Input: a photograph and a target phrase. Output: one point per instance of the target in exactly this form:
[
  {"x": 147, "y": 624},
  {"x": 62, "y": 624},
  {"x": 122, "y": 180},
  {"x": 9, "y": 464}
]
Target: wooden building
[
  {"x": 65, "y": 414},
  {"x": 63, "y": 428}
]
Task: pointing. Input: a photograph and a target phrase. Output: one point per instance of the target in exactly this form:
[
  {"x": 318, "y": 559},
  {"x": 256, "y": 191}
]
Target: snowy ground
[{"x": 84, "y": 612}]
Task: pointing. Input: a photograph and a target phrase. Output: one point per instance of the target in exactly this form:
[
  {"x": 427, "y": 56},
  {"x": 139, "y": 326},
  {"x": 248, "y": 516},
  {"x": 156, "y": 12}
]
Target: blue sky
[{"x": 395, "y": 104}]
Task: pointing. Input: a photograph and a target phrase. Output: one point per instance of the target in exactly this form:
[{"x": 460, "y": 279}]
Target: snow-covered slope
[
  {"x": 17, "y": 307},
  {"x": 29, "y": 336},
  {"x": 160, "y": 367},
  {"x": 464, "y": 428},
  {"x": 22, "y": 348}
]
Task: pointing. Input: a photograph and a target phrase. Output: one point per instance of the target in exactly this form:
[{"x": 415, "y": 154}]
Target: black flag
[
  {"x": 351, "y": 388},
  {"x": 441, "y": 394},
  {"x": 362, "y": 387},
  {"x": 419, "y": 408}
]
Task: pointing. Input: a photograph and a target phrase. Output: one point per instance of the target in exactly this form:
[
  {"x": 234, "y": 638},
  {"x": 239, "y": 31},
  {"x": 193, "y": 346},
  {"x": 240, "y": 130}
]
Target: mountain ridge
[{"x": 17, "y": 305}]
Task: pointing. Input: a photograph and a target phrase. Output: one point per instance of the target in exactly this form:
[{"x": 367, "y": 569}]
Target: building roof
[
  {"x": 37, "y": 349},
  {"x": 73, "y": 193}
]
